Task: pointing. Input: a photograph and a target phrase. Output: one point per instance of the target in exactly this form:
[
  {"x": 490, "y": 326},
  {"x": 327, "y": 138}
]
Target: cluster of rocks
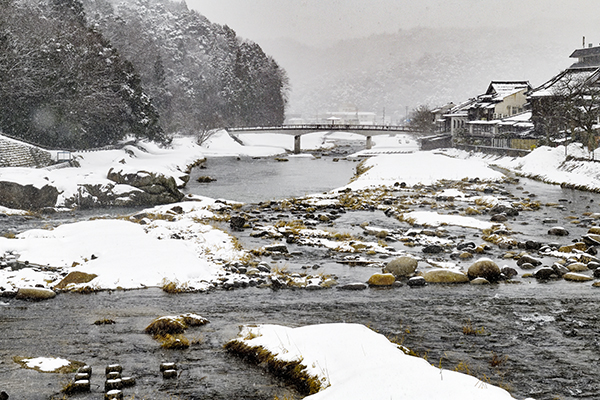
[
  {"x": 238, "y": 275},
  {"x": 149, "y": 189},
  {"x": 113, "y": 385}
]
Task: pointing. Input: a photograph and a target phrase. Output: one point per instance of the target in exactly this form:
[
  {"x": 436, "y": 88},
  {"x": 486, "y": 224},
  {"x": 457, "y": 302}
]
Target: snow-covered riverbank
[{"x": 178, "y": 243}]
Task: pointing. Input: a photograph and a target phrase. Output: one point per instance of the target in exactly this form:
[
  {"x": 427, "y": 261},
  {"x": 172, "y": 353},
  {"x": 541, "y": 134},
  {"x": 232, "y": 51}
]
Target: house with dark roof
[
  {"x": 575, "y": 90},
  {"x": 588, "y": 57}
]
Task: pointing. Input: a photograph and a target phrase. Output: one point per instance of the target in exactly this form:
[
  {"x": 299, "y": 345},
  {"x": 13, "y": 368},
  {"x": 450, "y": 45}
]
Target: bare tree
[
  {"x": 576, "y": 107},
  {"x": 421, "y": 120}
]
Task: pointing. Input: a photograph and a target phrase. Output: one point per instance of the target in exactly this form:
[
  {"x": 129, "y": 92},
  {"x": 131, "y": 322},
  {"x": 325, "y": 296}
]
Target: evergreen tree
[{"x": 62, "y": 84}]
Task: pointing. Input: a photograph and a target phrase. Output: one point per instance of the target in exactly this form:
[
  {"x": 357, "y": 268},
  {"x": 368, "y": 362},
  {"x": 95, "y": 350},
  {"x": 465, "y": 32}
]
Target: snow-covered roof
[
  {"x": 567, "y": 78},
  {"x": 522, "y": 117},
  {"x": 461, "y": 109},
  {"x": 503, "y": 89}
]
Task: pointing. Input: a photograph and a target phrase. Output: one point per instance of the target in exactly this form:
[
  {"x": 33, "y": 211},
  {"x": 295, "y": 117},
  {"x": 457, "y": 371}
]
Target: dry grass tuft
[
  {"x": 469, "y": 330},
  {"x": 292, "y": 372},
  {"x": 174, "y": 342},
  {"x": 105, "y": 321},
  {"x": 164, "y": 326},
  {"x": 497, "y": 360}
]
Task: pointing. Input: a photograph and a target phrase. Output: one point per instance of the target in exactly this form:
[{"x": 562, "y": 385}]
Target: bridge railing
[{"x": 323, "y": 127}]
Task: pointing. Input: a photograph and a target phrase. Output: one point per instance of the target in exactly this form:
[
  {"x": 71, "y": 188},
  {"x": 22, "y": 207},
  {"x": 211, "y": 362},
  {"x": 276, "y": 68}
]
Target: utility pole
[{"x": 383, "y": 119}]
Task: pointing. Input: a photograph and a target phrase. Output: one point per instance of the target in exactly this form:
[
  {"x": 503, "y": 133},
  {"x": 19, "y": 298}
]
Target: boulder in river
[
  {"x": 526, "y": 258},
  {"x": 401, "y": 266},
  {"x": 35, "y": 294},
  {"x": 558, "y": 231},
  {"x": 577, "y": 267},
  {"x": 484, "y": 268},
  {"x": 575, "y": 277},
  {"x": 545, "y": 273},
  {"x": 381, "y": 280},
  {"x": 433, "y": 249},
  {"x": 417, "y": 281},
  {"x": 443, "y": 275},
  {"x": 353, "y": 286},
  {"x": 155, "y": 188},
  {"x": 27, "y": 197}
]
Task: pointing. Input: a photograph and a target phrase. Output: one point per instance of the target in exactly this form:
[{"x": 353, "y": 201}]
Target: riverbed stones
[
  {"x": 416, "y": 281},
  {"x": 575, "y": 246},
  {"x": 443, "y": 275},
  {"x": 205, "y": 179},
  {"x": 499, "y": 218},
  {"x": 593, "y": 265},
  {"x": 402, "y": 266},
  {"x": 237, "y": 223},
  {"x": 35, "y": 294},
  {"x": 560, "y": 269},
  {"x": 508, "y": 272},
  {"x": 594, "y": 230},
  {"x": 545, "y": 273},
  {"x": 576, "y": 277},
  {"x": 276, "y": 248},
  {"x": 591, "y": 239},
  {"x": 381, "y": 280},
  {"x": 577, "y": 267},
  {"x": 527, "y": 259},
  {"x": 480, "y": 281},
  {"x": 432, "y": 249},
  {"x": 558, "y": 231},
  {"x": 354, "y": 286},
  {"x": 504, "y": 209},
  {"x": 484, "y": 268}
]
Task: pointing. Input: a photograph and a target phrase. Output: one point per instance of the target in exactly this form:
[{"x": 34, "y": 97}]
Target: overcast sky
[{"x": 326, "y": 21}]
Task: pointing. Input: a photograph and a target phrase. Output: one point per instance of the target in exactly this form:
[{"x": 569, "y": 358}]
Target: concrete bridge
[{"x": 298, "y": 130}]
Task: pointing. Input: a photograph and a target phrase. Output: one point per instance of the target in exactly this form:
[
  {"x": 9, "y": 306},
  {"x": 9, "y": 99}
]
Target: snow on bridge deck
[{"x": 298, "y": 130}]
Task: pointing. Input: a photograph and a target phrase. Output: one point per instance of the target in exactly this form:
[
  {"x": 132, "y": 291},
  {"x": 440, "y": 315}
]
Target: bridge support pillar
[
  {"x": 369, "y": 142},
  {"x": 297, "y": 144}
]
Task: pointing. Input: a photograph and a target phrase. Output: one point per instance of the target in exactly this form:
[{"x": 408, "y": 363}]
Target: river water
[{"x": 537, "y": 339}]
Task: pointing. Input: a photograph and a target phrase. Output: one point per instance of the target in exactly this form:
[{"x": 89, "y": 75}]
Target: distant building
[
  {"x": 493, "y": 118},
  {"x": 502, "y": 99},
  {"x": 350, "y": 118},
  {"x": 442, "y": 124}
]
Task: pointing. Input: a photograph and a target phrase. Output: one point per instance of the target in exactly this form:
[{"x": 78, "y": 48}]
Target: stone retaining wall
[{"x": 18, "y": 154}]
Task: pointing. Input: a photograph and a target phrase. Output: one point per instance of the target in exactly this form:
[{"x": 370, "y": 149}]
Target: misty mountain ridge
[{"x": 418, "y": 66}]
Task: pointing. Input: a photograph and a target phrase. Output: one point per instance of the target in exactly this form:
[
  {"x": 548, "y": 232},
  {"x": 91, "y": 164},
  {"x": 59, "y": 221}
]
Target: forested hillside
[
  {"x": 87, "y": 74},
  {"x": 418, "y": 66},
  {"x": 63, "y": 84},
  {"x": 199, "y": 74}
]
